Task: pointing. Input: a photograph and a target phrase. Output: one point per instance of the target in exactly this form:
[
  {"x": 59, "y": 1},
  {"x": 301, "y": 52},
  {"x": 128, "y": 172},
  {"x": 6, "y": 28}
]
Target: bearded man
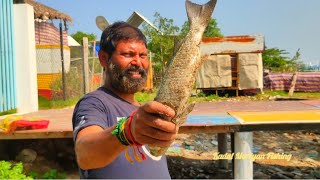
[{"x": 110, "y": 126}]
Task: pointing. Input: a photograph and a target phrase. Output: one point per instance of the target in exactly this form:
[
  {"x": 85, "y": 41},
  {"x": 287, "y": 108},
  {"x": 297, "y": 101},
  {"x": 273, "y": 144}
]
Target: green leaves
[
  {"x": 161, "y": 41},
  {"x": 277, "y": 60},
  {"x": 54, "y": 174},
  {"x": 79, "y": 35},
  {"x": 9, "y": 171},
  {"x": 212, "y": 29}
]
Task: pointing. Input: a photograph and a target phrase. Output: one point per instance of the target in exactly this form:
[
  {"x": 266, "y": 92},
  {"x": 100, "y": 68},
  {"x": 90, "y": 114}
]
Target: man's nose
[{"x": 136, "y": 60}]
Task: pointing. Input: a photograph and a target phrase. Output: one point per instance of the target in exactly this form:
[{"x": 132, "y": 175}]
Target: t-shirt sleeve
[{"x": 89, "y": 111}]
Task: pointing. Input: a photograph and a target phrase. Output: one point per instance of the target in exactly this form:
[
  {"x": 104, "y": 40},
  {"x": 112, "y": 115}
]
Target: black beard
[{"x": 122, "y": 81}]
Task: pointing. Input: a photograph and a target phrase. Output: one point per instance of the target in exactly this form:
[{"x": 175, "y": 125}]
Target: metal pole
[
  {"x": 232, "y": 151},
  {"x": 222, "y": 149},
  {"x": 243, "y": 166},
  {"x": 62, "y": 61}
]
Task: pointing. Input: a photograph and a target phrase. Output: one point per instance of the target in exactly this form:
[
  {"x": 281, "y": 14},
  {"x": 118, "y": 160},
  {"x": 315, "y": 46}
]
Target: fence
[
  {"x": 305, "y": 82},
  {"x": 84, "y": 75},
  {"x": 74, "y": 77}
]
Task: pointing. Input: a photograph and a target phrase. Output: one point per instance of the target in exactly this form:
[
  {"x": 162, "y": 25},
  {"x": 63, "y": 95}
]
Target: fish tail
[{"x": 199, "y": 15}]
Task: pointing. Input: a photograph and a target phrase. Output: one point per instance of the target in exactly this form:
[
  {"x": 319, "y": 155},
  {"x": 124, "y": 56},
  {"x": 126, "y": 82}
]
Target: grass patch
[
  {"x": 275, "y": 93},
  {"x": 309, "y": 95},
  {"x": 203, "y": 98},
  {"x": 56, "y": 104},
  {"x": 12, "y": 111},
  {"x": 143, "y": 97}
]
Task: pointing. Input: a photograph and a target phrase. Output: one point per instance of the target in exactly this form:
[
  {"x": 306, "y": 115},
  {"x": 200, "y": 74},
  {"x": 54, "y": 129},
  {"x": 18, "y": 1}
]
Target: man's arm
[{"x": 96, "y": 147}]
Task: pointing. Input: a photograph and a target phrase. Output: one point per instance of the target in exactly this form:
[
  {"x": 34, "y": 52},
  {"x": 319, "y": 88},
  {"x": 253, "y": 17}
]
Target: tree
[
  {"x": 78, "y": 36},
  {"x": 160, "y": 42},
  {"x": 212, "y": 29},
  {"x": 274, "y": 58},
  {"x": 278, "y": 61},
  {"x": 296, "y": 61}
]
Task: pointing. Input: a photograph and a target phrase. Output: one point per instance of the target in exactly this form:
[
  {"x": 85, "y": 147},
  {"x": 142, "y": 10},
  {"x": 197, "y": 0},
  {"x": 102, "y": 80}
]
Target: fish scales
[{"x": 177, "y": 84}]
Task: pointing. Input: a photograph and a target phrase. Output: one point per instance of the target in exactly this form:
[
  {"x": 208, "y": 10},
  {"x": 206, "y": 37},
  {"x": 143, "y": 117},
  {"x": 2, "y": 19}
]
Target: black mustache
[{"x": 141, "y": 70}]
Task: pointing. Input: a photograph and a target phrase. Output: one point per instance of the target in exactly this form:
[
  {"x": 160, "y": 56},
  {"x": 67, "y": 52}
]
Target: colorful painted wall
[
  {"x": 7, "y": 58},
  {"x": 49, "y": 65}
]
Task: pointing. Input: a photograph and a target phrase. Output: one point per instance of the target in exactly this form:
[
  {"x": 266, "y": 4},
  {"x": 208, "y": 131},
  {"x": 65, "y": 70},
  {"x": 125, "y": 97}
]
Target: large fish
[{"x": 177, "y": 84}]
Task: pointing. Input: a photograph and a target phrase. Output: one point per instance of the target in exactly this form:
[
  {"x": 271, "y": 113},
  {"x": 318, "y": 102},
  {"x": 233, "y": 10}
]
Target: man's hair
[{"x": 119, "y": 31}]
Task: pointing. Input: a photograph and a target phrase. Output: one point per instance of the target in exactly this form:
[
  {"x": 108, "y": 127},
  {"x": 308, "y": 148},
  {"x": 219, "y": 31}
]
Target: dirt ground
[{"x": 191, "y": 156}]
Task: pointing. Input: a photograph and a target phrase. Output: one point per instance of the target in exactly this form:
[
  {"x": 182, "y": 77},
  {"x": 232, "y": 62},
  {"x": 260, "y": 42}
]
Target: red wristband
[{"x": 134, "y": 142}]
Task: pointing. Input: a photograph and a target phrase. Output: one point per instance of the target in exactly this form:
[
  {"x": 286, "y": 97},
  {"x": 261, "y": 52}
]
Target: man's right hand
[{"x": 149, "y": 127}]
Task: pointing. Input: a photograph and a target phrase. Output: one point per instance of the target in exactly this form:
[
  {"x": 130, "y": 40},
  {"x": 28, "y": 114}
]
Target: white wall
[{"x": 26, "y": 67}]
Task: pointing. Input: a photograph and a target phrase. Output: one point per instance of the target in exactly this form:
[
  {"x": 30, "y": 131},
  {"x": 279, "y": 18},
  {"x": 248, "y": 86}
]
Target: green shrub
[
  {"x": 9, "y": 171},
  {"x": 73, "y": 85},
  {"x": 54, "y": 174},
  {"x": 33, "y": 174}
]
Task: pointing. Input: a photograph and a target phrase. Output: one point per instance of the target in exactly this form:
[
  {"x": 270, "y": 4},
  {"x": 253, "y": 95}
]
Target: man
[{"x": 101, "y": 141}]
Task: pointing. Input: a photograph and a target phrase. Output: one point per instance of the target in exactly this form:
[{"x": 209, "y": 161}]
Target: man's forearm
[{"x": 97, "y": 149}]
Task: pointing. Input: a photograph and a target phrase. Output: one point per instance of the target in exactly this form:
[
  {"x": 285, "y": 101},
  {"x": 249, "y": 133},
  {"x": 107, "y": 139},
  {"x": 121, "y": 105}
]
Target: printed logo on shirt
[
  {"x": 82, "y": 121},
  {"x": 119, "y": 118}
]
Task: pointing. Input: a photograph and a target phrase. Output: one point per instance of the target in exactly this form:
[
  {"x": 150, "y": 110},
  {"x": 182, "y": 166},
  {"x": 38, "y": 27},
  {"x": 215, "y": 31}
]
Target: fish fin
[
  {"x": 182, "y": 116},
  {"x": 199, "y": 15}
]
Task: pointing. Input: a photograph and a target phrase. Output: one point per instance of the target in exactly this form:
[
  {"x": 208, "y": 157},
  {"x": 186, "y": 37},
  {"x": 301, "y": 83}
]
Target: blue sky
[{"x": 286, "y": 24}]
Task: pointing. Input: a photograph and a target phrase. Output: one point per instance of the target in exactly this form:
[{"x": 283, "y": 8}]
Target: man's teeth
[{"x": 134, "y": 72}]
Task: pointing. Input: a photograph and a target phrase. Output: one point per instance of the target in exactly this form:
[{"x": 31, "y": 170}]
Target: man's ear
[{"x": 103, "y": 58}]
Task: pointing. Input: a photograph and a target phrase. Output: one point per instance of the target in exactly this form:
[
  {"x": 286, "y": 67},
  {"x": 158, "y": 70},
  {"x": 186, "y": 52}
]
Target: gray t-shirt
[{"x": 102, "y": 108}]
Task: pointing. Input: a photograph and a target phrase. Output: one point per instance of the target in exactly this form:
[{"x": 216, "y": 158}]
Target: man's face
[{"x": 128, "y": 66}]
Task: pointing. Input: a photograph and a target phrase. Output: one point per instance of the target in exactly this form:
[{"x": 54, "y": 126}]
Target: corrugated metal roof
[
  {"x": 233, "y": 44},
  {"x": 246, "y": 38}
]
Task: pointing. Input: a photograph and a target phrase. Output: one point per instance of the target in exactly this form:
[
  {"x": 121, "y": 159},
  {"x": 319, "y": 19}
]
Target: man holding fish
[{"x": 112, "y": 131}]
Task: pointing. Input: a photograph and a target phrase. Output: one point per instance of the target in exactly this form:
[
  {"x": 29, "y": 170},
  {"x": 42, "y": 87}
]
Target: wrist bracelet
[{"x": 119, "y": 131}]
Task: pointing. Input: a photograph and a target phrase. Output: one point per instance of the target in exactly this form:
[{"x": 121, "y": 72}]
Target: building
[
  {"x": 48, "y": 51},
  {"x": 18, "y": 47},
  {"x": 235, "y": 63}
]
